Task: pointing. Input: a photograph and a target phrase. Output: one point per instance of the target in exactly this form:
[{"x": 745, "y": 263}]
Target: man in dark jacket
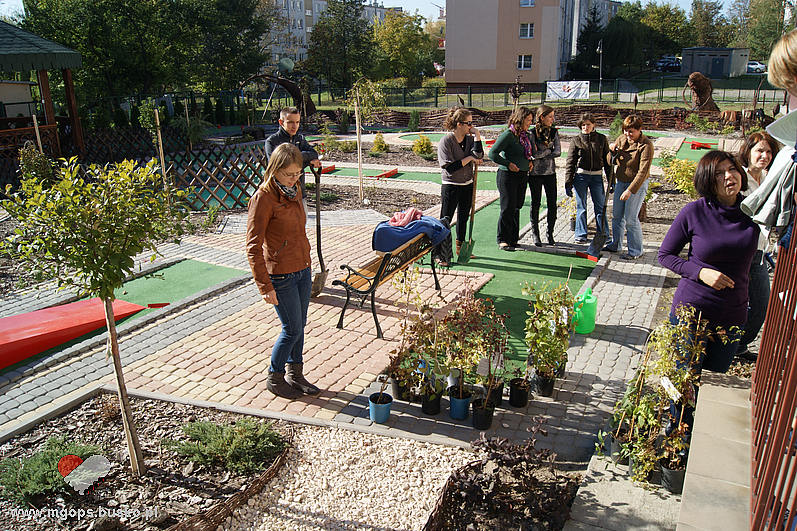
[{"x": 289, "y": 121}]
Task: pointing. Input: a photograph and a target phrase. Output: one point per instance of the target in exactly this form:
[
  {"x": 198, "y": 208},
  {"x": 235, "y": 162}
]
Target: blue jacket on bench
[{"x": 386, "y": 238}]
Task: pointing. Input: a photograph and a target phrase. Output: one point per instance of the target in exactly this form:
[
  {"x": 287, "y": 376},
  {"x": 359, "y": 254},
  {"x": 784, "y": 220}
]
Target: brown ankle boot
[
  {"x": 295, "y": 378},
  {"x": 459, "y": 246},
  {"x": 276, "y": 384}
]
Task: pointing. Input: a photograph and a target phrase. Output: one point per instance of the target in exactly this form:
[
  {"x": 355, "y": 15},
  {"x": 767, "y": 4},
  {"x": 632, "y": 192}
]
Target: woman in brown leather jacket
[{"x": 279, "y": 255}]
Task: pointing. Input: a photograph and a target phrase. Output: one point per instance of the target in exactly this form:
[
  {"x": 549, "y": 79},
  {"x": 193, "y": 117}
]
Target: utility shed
[{"x": 715, "y": 62}]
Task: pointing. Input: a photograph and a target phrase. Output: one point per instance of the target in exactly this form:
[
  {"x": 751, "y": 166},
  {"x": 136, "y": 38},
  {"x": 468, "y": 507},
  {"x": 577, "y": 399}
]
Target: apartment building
[
  {"x": 300, "y": 17},
  {"x": 495, "y": 41}
]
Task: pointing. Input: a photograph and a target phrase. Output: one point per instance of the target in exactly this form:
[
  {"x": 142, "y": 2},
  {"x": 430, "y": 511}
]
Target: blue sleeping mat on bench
[{"x": 387, "y": 237}]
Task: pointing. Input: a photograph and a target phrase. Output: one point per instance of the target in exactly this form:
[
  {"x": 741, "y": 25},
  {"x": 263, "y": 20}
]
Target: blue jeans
[
  {"x": 758, "y": 292},
  {"x": 293, "y": 295},
  {"x": 582, "y": 182},
  {"x": 625, "y": 218}
]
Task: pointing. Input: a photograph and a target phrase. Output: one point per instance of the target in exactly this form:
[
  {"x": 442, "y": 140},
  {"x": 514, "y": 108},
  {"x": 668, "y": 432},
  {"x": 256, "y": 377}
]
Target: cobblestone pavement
[{"x": 216, "y": 346}]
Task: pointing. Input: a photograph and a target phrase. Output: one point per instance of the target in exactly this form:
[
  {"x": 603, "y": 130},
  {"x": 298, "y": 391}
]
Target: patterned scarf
[
  {"x": 290, "y": 193},
  {"x": 523, "y": 136}
]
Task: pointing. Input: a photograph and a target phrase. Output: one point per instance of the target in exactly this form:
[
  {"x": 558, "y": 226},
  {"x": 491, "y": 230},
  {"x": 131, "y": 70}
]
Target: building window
[
  {"x": 524, "y": 62},
  {"x": 526, "y": 3},
  {"x": 527, "y": 31},
  {"x": 299, "y": 24}
]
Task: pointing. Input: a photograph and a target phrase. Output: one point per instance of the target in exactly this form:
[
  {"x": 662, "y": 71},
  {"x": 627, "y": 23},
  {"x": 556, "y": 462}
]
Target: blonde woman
[{"x": 279, "y": 255}]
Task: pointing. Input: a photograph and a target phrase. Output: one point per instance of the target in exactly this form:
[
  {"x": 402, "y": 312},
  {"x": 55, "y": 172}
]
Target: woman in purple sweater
[{"x": 722, "y": 241}]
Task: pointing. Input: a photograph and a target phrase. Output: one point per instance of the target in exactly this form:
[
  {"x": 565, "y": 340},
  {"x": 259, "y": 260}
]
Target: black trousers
[
  {"x": 536, "y": 182},
  {"x": 512, "y": 192},
  {"x": 459, "y": 198}
]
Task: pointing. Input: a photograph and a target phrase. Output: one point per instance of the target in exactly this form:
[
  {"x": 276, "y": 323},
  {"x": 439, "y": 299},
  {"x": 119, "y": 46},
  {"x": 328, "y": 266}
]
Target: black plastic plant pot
[
  {"x": 429, "y": 405},
  {"x": 545, "y": 385},
  {"x": 496, "y": 395},
  {"x": 518, "y": 392},
  {"x": 672, "y": 480},
  {"x": 615, "y": 449},
  {"x": 401, "y": 392},
  {"x": 482, "y": 415}
]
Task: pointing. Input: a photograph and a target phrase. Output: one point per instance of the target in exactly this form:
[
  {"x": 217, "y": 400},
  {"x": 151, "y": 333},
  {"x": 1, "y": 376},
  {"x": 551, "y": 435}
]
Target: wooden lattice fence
[
  {"x": 222, "y": 177},
  {"x": 120, "y": 143}
]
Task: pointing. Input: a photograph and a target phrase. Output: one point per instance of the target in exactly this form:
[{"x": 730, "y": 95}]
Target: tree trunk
[
  {"x": 359, "y": 140},
  {"x": 133, "y": 447}
]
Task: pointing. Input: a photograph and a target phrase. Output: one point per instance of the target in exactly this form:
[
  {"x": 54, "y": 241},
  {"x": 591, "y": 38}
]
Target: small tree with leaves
[
  {"x": 83, "y": 230},
  {"x": 365, "y": 97}
]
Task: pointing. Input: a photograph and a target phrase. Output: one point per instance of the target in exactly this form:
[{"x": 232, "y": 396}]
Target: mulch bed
[{"x": 173, "y": 489}]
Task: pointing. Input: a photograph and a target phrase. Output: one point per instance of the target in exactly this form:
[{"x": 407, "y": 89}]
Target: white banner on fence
[{"x": 567, "y": 90}]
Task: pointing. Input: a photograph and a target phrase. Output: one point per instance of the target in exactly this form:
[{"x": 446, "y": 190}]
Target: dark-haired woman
[
  {"x": 545, "y": 149},
  {"x": 455, "y": 152},
  {"x": 513, "y": 152},
  {"x": 587, "y": 162},
  {"x": 722, "y": 241},
  {"x": 756, "y": 156}
]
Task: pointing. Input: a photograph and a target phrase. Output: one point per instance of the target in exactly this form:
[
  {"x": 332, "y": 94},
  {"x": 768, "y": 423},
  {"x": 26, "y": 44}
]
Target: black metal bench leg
[
  {"x": 343, "y": 310},
  {"x": 373, "y": 311},
  {"x": 434, "y": 274}
]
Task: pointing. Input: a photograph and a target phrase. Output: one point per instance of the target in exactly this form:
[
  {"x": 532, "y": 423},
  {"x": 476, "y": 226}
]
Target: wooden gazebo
[{"x": 21, "y": 51}]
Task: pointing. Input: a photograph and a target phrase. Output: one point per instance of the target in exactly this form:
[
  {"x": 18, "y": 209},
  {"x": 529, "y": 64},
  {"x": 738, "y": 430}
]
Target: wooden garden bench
[{"x": 364, "y": 280}]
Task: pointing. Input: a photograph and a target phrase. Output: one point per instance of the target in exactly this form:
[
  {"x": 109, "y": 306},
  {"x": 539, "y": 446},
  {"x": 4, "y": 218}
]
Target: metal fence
[
  {"x": 658, "y": 89},
  {"x": 774, "y": 405}
]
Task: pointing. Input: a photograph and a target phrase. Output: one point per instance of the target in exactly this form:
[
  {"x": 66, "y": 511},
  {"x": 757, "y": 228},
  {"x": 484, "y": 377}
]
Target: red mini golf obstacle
[
  {"x": 702, "y": 145},
  {"x": 384, "y": 175},
  {"x": 328, "y": 169},
  {"x": 27, "y": 334}
]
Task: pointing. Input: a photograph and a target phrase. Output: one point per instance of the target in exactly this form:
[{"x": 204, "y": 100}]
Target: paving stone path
[{"x": 215, "y": 347}]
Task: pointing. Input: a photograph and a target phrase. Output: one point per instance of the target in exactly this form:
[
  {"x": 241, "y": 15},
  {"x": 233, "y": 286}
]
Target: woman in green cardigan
[{"x": 512, "y": 152}]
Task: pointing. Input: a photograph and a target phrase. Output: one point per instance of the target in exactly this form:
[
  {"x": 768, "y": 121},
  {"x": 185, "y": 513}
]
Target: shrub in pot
[
  {"x": 548, "y": 328},
  {"x": 519, "y": 386}
]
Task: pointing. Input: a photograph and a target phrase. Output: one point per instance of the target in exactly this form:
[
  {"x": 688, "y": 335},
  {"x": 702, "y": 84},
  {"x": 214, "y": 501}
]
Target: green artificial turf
[
  {"x": 412, "y": 137},
  {"x": 510, "y": 269},
  {"x": 485, "y": 179},
  {"x": 687, "y": 153},
  {"x": 174, "y": 283}
]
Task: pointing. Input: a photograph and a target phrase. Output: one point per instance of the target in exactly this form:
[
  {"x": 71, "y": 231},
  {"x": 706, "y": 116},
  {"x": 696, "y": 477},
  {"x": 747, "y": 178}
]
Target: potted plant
[
  {"x": 420, "y": 345},
  {"x": 548, "y": 328},
  {"x": 519, "y": 387},
  {"x": 490, "y": 339},
  {"x": 673, "y": 453},
  {"x": 676, "y": 353},
  {"x": 462, "y": 343}
]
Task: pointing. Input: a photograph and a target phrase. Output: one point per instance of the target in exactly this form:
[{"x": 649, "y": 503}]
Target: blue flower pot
[
  {"x": 379, "y": 407},
  {"x": 458, "y": 407}
]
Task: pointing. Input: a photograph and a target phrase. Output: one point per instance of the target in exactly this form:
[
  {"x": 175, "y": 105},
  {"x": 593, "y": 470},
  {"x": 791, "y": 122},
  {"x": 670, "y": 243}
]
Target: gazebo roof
[{"x": 22, "y": 51}]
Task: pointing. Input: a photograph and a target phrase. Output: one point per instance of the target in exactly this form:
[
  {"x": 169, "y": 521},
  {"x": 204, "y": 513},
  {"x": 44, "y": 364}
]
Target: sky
[{"x": 424, "y": 7}]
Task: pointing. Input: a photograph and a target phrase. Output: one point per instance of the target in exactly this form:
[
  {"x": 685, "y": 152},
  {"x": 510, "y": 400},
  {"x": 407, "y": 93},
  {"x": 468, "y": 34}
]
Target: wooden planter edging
[
  {"x": 434, "y": 522},
  {"x": 211, "y": 519}
]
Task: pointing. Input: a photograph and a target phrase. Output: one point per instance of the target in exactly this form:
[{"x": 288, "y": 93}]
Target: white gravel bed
[{"x": 340, "y": 479}]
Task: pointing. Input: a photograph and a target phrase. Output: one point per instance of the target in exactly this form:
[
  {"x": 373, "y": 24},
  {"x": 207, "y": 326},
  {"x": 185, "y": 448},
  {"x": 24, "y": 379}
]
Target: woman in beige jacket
[{"x": 633, "y": 154}]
